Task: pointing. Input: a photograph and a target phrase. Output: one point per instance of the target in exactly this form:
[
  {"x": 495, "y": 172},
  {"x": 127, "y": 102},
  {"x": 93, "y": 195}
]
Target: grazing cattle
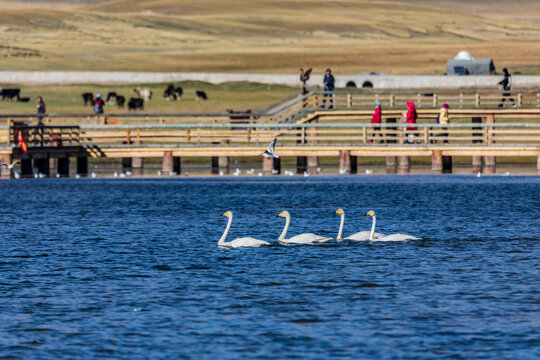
[
  {"x": 120, "y": 100},
  {"x": 88, "y": 98},
  {"x": 201, "y": 95},
  {"x": 145, "y": 93},
  {"x": 111, "y": 98},
  {"x": 175, "y": 93},
  {"x": 10, "y": 94},
  {"x": 135, "y": 103},
  {"x": 24, "y": 99}
]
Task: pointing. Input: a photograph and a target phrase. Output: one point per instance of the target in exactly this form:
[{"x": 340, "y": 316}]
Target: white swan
[
  {"x": 393, "y": 237},
  {"x": 308, "y": 238},
  {"x": 359, "y": 236},
  {"x": 240, "y": 242}
]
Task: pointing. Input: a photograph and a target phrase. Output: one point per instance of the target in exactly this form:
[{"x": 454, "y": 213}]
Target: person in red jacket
[
  {"x": 411, "y": 119},
  {"x": 376, "y": 119}
]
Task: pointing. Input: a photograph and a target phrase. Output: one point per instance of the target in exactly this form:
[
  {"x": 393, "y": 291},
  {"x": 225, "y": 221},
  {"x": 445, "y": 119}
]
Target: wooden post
[
  {"x": 82, "y": 166},
  {"x": 490, "y": 161},
  {"x": 447, "y": 164},
  {"x": 53, "y": 167},
  {"x": 312, "y": 161},
  {"x": 404, "y": 166},
  {"x": 26, "y": 166},
  {"x": 4, "y": 171},
  {"x": 477, "y": 100},
  {"x": 63, "y": 166},
  {"x": 391, "y": 165},
  {"x": 301, "y": 164},
  {"x": 538, "y": 162},
  {"x": 344, "y": 161},
  {"x": 177, "y": 164},
  {"x": 354, "y": 164},
  {"x": 137, "y": 162},
  {"x": 436, "y": 162},
  {"x": 435, "y": 100},
  {"x": 223, "y": 161},
  {"x": 42, "y": 165},
  {"x": 477, "y": 139},
  {"x": 267, "y": 165},
  {"x": 167, "y": 164}
]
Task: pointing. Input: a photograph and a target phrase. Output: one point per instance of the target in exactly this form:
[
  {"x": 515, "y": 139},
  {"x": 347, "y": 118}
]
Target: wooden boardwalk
[{"x": 482, "y": 134}]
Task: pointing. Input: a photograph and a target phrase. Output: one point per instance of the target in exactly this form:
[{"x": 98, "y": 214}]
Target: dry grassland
[{"x": 271, "y": 36}]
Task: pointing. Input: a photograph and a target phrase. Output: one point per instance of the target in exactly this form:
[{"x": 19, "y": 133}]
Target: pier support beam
[
  {"x": 344, "y": 161},
  {"x": 52, "y": 167},
  {"x": 476, "y": 164},
  {"x": 312, "y": 164},
  {"x": 26, "y": 167},
  {"x": 63, "y": 166},
  {"x": 447, "y": 164},
  {"x": 127, "y": 164},
  {"x": 477, "y": 139},
  {"x": 137, "y": 162},
  {"x": 354, "y": 164},
  {"x": 301, "y": 164},
  {"x": 404, "y": 166},
  {"x": 538, "y": 162},
  {"x": 271, "y": 165},
  {"x": 4, "y": 171},
  {"x": 391, "y": 165},
  {"x": 312, "y": 161},
  {"x": 42, "y": 165},
  {"x": 436, "y": 162},
  {"x": 82, "y": 166},
  {"x": 490, "y": 163},
  {"x": 171, "y": 164}
]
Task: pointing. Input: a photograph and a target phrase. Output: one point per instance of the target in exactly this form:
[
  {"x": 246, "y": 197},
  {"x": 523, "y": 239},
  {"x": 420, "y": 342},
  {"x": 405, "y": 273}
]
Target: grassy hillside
[{"x": 408, "y": 36}]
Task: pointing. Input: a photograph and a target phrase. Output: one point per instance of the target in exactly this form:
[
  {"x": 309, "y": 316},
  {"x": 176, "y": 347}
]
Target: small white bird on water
[
  {"x": 369, "y": 172},
  {"x": 478, "y": 174},
  {"x": 271, "y": 150},
  {"x": 10, "y": 166},
  {"x": 94, "y": 175},
  {"x": 237, "y": 172},
  {"x": 250, "y": 172}
]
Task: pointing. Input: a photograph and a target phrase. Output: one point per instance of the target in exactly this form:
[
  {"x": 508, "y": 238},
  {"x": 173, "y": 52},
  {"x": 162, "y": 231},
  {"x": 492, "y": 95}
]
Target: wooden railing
[
  {"x": 297, "y": 106},
  {"x": 42, "y": 136},
  {"x": 328, "y": 134}
]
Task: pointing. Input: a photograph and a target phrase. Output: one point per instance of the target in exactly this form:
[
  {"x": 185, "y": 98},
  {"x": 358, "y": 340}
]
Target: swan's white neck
[
  {"x": 224, "y": 236},
  {"x": 340, "y": 232},
  {"x": 286, "y": 228},
  {"x": 372, "y": 233}
]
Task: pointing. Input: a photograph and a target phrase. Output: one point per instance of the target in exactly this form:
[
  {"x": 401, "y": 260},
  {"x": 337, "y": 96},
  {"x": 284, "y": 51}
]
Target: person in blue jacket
[{"x": 328, "y": 86}]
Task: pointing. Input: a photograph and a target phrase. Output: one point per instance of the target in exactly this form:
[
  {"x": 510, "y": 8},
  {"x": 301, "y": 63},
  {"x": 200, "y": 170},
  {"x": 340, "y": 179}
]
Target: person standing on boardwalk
[
  {"x": 41, "y": 109},
  {"x": 444, "y": 119},
  {"x": 328, "y": 86},
  {"x": 410, "y": 118},
  {"x": 98, "y": 105},
  {"x": 506, "y": 84},
  {"x": 376, "y": 119}
]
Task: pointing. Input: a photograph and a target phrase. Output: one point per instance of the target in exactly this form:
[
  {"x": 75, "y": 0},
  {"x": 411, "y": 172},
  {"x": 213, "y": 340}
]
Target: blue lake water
[{"x": 130, "y": 268}]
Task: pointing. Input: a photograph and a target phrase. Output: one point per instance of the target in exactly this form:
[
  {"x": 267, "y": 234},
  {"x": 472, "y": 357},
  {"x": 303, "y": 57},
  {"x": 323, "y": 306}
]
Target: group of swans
[{"x": 310, "y": 238}]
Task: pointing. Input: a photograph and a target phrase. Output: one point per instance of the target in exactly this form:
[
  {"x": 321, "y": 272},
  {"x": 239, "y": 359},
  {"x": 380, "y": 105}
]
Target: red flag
[{"x": 22, "y": 144}]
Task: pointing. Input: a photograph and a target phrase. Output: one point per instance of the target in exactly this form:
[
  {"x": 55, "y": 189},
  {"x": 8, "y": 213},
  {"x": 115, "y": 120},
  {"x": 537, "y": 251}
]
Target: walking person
[
  {"x": 444, "y": 120},
  {"x": 38, "y": 132},
  {"x": 41, "y": 109},
  {"x": 506, "y": 84},
  {"x": 410, "y": 118},
  {"x": 328, "y": 86},
  {"x": 98, "y": 105},
  {"x": 376, "y": 119}
]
